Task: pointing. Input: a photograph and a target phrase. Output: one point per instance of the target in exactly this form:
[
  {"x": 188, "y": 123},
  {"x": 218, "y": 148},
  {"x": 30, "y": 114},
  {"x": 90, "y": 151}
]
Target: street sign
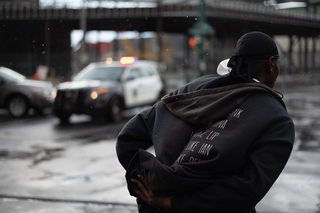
[{"x": 202, "y": 29}]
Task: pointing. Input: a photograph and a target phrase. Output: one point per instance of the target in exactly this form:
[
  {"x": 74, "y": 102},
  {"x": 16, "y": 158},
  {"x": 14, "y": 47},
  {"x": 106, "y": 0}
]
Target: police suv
[{"x": 107, "y": 88}]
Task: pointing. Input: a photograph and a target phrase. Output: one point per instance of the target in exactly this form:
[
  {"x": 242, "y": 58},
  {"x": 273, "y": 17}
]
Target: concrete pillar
[
  {"x": 300, "y": 54},
  {"x": 159, "y": 30},
  {"x": 313, "y": 55},
  {"x": 115, "y": 47},
  {"x": 159, "y": 33},
  {"x": 305, "y": 67},
  {"x": 290, "y": 54},
  {"x": 141, "y": 48},
  {"x": 47, "y": 43},
  {"x": 83, "y": 26},
  {"x": 186, "y": 67}
]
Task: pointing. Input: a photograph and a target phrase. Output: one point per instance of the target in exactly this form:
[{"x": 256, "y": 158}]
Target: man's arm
[{"x": 135, "y": 135}]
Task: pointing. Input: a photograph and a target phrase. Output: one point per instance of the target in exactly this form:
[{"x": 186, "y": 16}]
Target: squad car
[{"x": 105, "y": 89}]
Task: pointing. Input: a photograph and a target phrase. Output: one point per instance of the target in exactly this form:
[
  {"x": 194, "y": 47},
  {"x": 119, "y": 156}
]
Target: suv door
[
  {"x": 131, "y": 88},
  {"x": 142, "y": 86},
  {"x": 151, "y": 85}
]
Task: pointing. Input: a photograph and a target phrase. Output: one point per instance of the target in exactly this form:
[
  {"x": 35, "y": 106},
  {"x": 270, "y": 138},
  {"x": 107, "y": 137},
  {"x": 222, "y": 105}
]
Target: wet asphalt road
[
  {"x": 46, "y": 166},
  {"x": 303, "y": 105},
  {"x": 49, "y": 167}
]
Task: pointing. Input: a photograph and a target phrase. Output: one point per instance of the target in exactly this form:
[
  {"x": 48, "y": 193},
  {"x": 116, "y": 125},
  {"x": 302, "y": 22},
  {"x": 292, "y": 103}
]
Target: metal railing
[
  {"x": 64, "y": 8},
  {"x": 260, "y": 8}
]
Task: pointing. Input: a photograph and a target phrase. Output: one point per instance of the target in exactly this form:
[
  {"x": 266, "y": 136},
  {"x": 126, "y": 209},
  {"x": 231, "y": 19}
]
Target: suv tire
[
  {"x": 63, "y": 116},
  {"x": 115, "y": 110}
]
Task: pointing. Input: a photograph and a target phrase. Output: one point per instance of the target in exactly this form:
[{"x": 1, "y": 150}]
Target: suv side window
[
  {"x": 134, "y": 73},
  {"x": 145, "y": 71}
]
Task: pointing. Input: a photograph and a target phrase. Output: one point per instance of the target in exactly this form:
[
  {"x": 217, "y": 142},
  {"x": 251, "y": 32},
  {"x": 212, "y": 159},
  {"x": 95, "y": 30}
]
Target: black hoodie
[{"x": 220, "y": 144}]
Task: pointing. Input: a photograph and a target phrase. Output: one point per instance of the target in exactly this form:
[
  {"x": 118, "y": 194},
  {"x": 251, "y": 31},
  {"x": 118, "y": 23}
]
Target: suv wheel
[
  {"x": 18, "y": 106},
  {"x": 115, "y": 110},
  {"x": 63, "y": 116}
]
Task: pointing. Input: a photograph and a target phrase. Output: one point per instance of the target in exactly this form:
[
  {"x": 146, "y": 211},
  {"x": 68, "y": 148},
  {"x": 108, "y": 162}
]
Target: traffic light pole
[
  {"x": 200, "y": 30},
  {"x": 202, "y": 63},
  {"x": 202, "y": 66}
]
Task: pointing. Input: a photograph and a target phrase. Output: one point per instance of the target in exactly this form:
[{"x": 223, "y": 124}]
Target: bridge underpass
[{"x": 35, "y": 36}]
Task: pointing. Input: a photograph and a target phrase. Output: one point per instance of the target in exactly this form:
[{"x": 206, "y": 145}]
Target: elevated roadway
[
  {"x": 104, "y": 18},
  {"x": 35, "y": 34}
]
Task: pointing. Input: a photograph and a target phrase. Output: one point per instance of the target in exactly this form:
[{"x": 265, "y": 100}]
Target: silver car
[{"x": 18, "y": 94}]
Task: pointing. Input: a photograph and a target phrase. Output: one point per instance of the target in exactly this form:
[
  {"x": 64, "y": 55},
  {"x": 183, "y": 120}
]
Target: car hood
[
  {"x": 35, "y": 83},
  {"x": 85, "y": 84}
]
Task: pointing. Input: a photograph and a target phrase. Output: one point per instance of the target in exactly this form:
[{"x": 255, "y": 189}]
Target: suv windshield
[
  {"x": 100, "y": 73},
  {"x": 10, "y": 76}
]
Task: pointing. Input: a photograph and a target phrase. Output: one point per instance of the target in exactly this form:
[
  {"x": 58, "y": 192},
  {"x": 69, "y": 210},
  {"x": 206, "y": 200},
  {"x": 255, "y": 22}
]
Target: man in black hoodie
[{"x": 220, "y": 141}]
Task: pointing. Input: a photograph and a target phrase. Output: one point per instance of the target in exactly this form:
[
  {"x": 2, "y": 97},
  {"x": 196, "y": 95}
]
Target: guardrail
[
  {"x": 96, "y": 9},
  {"x": 246, "y": 7}
]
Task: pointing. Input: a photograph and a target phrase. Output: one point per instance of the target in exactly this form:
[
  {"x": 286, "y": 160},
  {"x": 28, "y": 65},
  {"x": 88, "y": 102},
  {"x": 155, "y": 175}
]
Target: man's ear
[{"x": 271, "y": 63}]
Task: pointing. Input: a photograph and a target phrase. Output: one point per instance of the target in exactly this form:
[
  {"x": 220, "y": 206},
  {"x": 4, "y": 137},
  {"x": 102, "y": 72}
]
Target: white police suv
[{"x": 107, "y": 88}]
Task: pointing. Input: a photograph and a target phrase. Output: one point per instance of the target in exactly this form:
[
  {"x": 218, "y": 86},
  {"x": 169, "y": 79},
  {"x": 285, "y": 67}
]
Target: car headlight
[
  {"x": 53, "y": 94},
  {"x": 95, "y": 94}
]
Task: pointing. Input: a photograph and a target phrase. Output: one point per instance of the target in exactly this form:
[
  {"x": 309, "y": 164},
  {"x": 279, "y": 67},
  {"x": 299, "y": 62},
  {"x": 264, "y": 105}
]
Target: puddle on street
[
  {"x": 75, "y": 180},
  {"x": 38, "y": 156},
  {"x": 83, "y": 178},
  {"x": 303, "y": 106}
]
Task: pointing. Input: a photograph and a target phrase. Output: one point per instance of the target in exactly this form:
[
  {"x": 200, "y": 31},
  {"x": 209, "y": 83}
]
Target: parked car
[
  {"x": 105, "y": 89},
  {"x": 18, "y": 94}
]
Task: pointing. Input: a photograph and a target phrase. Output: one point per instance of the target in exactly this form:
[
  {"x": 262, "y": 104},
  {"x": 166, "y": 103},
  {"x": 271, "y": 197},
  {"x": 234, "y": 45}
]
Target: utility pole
[
  {"x": 83, "y": 26},
  {"x": 159, "y": 31},
  {"x": 199, "y": 31}
]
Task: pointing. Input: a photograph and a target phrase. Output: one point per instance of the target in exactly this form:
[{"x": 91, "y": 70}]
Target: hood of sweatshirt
[{"x": 204, "y": 106}]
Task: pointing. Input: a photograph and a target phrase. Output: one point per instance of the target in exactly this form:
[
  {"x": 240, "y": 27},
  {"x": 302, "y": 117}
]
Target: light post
[{"x": 83, "y": 26}]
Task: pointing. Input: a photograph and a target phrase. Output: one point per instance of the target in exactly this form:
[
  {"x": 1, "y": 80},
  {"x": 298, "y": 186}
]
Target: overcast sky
[{"x": 105, "y": 36}]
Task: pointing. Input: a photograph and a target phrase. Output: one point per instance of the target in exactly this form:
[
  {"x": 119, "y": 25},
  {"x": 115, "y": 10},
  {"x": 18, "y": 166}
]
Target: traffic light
[{"x": 192, "y": 42}]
